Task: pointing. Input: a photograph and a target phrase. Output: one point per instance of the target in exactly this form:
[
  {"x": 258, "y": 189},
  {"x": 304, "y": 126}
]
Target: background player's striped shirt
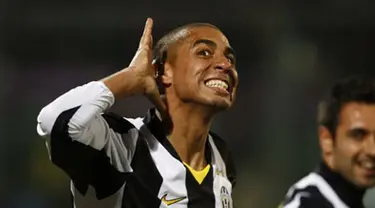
[
  {"x": 324, "y": 188},
  {"x": 116, "y": 162}
]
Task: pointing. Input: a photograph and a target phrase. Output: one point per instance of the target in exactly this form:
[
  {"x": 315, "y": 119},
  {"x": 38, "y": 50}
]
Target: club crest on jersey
[
  {"x": 225, "y": 198},
  {"x": 219, "y": 172}
]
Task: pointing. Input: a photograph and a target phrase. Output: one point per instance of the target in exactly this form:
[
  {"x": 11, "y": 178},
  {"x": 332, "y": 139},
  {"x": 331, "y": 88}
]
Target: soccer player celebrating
[
  {"x": 169, "y": 158},
  {"x": 347, "y": 141}
]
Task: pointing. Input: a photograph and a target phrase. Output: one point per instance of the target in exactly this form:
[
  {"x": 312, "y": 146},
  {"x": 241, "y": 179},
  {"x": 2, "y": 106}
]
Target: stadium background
[{"x": 288, "y": 53}]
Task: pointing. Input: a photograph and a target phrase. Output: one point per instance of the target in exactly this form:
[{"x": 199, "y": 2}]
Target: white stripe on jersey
[
  {"x": 297, "y": 200},
  {"x": 314, "y": 179},
  {"x": 174, "y": 172},
  {"x": 171, "y": 169},
  {"x": 222, "y": 187},
  {"x": 90, "y": 200}
]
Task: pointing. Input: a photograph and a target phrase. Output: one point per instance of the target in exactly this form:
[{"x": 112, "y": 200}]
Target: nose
[
  {"x": 370, "y": 146},
  {"x": 223, "y": 63}
]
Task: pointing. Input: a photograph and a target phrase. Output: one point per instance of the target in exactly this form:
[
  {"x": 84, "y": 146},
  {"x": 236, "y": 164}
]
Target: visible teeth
[
  {"x": 368, "y": 165},
  {"x": 217, "y": 83}
]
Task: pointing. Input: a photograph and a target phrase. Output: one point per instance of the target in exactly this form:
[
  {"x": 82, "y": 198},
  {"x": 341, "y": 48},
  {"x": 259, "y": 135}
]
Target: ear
[
  {"x": 326, "y": 141},
  {"x": 167, "y": 76}
]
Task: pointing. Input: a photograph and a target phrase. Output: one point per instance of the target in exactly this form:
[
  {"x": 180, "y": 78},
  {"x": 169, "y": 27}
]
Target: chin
[
  {"x": 219, "y": 104},
  {"x": 213, "y": 101},
  {"x": 365, "y": 183}
]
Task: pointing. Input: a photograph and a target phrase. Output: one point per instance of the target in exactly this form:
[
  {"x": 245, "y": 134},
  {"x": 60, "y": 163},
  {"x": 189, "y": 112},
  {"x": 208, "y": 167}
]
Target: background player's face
[
  {"x": 353, "y": 151},
  {"x": 204, "y": 68}
]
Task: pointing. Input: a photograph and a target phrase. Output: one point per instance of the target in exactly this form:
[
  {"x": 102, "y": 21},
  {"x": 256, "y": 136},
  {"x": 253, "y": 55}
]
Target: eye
[
  {"x": 231, "y": 59},
  {"x": 358, "y": 134},
  {"x": 204, "y": 52}
]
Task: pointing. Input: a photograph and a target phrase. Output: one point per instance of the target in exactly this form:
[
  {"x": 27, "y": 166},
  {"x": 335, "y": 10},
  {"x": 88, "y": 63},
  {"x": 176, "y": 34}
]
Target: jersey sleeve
[
  {"x": 308, "y": 197},
  {"x": 94, "y": 148}
]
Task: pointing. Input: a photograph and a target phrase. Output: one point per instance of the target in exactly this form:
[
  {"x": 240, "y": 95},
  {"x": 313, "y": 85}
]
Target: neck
[{"x": 190, "y": 128}]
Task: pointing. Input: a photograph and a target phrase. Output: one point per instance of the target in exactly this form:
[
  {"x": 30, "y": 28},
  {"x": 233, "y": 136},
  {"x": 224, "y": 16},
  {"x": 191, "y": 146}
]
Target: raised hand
[{"x": 142, "y": 65}]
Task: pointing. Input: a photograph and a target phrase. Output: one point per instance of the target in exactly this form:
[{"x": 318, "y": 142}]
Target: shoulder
[
  {"x": 305, "y": 195},
  {"x": 222, "y": 147},
  {"x": 226, "y": 154},
  {"x": 220, "y": 144}
]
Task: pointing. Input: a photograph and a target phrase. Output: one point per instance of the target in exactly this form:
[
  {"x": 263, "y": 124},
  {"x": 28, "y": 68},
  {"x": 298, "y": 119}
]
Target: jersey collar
[
  {"x": 159, "y": 131},
  {"x": 348, "y": 192}
]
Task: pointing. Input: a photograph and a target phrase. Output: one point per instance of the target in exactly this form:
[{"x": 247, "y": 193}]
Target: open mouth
[
  {"x": 368, "y": 166},
  {"x": 218, "y": 84}
]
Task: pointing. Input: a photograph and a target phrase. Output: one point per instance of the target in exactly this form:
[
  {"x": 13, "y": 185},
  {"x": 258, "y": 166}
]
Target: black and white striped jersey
[
  {"x": 323, "y": 188},
  {"x": 117, "y": 162}
]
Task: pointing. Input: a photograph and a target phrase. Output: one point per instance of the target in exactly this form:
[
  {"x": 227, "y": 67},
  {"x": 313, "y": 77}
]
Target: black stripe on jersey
[
  {"x": 157, "y": 129},
  {"x": 200, "y": 195},
  {"x": 227, "y": 157},
  {"x": 145, "y": 182},
  {"x": 84, "y": 164},
  {"x": 310, "y": 198},
  {"x": 117, "y": 123}
]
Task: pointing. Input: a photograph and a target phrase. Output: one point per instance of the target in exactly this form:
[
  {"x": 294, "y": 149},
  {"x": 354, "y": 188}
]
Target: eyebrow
[
  {"x": 228, "y": 50},
  {"x": 204, "y": 41},
  {"x": 355, "y": 130}
]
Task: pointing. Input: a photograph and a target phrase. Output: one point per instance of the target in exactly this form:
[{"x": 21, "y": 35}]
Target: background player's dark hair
[
  {"x": 159, "y": 54},
  {"x": 358, "y": 89}
]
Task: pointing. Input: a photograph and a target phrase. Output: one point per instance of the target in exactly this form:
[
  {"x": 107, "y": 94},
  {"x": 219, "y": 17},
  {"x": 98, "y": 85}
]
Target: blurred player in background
[
  {"x": 169, "y": 158},
  {"x": 347, "y": 141}
]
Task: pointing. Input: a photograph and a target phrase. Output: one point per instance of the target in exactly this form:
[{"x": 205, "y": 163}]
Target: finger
[
  {"x": 159, "y": 103},
  {"x": 146, "y": 38}
]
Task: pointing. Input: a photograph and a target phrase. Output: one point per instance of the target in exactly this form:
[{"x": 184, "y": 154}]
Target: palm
[
  {"x": 142, "y": 62},
  {"x": 142, "y": 58}
]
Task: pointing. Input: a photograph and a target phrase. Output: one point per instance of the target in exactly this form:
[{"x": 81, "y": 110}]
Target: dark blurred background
[{"x": 289, "y": 52}]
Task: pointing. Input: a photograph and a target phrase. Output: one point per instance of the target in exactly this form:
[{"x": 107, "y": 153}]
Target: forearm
[
  {"x": 92, "y": 99},
  {"x": 124, "y": 83}
]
